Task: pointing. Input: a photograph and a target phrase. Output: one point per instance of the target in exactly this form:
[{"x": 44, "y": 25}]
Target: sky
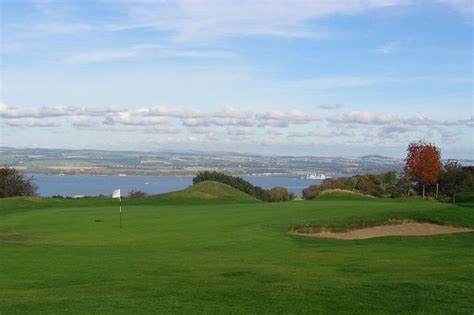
[{"x": 321, "y": 78}]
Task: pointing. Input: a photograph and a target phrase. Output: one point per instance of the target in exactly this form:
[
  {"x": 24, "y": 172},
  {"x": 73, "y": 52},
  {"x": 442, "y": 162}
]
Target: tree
[
  {"x": 452, "y": 178},
  {"x": 312, "y": 192},
  {"x": 13, "y": 183},
  {"x": 423, "y": 163},
  {"x": 403, "y": 187}
]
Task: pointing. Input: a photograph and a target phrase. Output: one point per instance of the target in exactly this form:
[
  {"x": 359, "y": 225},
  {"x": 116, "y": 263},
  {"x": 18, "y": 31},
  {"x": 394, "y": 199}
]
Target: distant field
[
  {"x": 72, "y": 162},
  {"x": 212, "y": 249}
]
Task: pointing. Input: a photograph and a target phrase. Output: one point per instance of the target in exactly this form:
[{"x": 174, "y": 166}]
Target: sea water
[{"x": 78, "y": 185}]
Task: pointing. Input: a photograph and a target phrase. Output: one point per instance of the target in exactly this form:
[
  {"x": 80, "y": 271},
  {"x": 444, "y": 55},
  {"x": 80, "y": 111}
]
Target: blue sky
[{"x": 319, "y": 78}]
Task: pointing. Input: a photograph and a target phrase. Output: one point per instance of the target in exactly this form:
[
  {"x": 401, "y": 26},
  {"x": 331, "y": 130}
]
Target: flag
[{"x": 116, "y": 194}]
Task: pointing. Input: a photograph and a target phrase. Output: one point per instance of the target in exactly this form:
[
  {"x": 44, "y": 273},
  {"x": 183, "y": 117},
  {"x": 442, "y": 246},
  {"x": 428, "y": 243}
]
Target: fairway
[{"x": 198, "y": 253}]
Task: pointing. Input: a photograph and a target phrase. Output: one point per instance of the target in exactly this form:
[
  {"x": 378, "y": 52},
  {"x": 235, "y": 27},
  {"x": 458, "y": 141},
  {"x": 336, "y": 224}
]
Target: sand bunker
[{"x": 401, "y": 228}]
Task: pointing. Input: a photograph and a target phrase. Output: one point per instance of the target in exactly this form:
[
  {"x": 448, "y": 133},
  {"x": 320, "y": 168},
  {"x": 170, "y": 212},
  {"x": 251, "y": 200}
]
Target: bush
[
  {"x": 377, "y": 185},
  {"x": 13, "y": 183},
  {"x": 312, "y": 192},
  {"x": 135, "y": 194},
  {"x": 277, "y": 194}
]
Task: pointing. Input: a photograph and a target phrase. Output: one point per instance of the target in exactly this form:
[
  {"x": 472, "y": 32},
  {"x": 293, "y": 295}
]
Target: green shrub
[
  {"x": 134, "y": 194},
  {"x": 13, "y": 183},
  {"x": 277, "y": 194}
]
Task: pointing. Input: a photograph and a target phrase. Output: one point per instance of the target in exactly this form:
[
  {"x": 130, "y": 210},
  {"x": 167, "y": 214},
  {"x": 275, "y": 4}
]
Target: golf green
[{"x": 214, "y": 250}]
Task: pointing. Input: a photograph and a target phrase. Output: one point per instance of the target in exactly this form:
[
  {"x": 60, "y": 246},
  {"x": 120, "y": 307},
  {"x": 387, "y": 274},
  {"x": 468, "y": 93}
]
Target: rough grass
[
  {"x": 465, "y": 199},
  {"x": 228, "y": 257}
]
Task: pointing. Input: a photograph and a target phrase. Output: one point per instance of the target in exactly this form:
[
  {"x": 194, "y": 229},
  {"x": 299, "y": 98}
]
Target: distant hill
[
  {"x": 94, "y": 162},
  {"x": 375, "y": 156}
]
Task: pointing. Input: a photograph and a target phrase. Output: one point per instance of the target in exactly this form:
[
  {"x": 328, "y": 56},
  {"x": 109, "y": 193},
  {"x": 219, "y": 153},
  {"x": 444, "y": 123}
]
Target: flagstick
[{"x": 120, "y": 212}]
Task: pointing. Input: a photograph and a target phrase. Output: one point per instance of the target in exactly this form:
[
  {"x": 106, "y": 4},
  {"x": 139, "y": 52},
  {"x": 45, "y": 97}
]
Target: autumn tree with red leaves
[{"x": 423, "y": 163}]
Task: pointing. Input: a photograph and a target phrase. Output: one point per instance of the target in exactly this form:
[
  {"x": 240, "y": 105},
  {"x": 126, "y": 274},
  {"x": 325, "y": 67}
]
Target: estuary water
[{"x": 96, "y": 185}]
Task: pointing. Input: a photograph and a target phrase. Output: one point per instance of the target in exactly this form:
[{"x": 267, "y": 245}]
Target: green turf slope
[
  {"x": 208, "y": 191},
  {"x": 339, "y": 194},
  {"x": 235, "y": 257}
]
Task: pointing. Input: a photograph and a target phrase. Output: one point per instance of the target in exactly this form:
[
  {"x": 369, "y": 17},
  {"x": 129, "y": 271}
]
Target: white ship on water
[{"x": 315, "y": 175}]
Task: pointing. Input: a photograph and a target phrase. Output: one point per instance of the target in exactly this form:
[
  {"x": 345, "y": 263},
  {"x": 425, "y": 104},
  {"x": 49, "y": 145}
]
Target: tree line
[{"x": 423, "y": 174}]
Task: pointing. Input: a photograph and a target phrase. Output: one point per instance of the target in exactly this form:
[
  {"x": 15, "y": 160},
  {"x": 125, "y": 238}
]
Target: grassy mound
[
  {"x": 341, "y": 194},
  {"x": 204, "y": 191}
]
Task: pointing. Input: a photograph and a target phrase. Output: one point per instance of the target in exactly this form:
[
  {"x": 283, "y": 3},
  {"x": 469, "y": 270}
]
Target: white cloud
[
  {"x": 312, "y": 134},
  {"x": 329, "y": 83},
  {"x": 239, "y": 132},
  {"x": 57, "y": 111},
  {"x": 388, "y": 48},
  {"x": 232, "y": 125},
  {"x": 171, "y": 112},
  {"x": 330, "y": 106},
  {"x": 231, "y": 112},
  {"x": 163, "y": 129},
  {"x": 190, "y": 20},
  {"x": 360, "y": 117},
  {"x": 30, "y": 122},
  {"x": 14, "y": 47},
  {"x": 143, "y": 49},
  {"x": 82, "y": 121},
  {"x": 103, "y": 56},
  {"x": 466, "y": 122},
  {"x": 447, "y": 136},
  {"x": 463, "y": 7},
  {"x": 232, "y": 117},
  {"x": 396, "y": 129},
  {"x": 15, "y": 112},
  {"x": 292, "y": 117},
  {"x": 64, "y": 28},
  {"x": 194, "y": 53},
  {"x": 127, "y": 118}
]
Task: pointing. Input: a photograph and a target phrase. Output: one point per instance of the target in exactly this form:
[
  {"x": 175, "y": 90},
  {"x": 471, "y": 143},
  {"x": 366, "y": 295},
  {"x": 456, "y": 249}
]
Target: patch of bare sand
[{"x": 400, "y": 228}]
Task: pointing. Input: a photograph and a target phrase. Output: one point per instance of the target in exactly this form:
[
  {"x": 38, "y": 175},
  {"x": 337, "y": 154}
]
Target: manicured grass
[{"x": 209, "y": 255}]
